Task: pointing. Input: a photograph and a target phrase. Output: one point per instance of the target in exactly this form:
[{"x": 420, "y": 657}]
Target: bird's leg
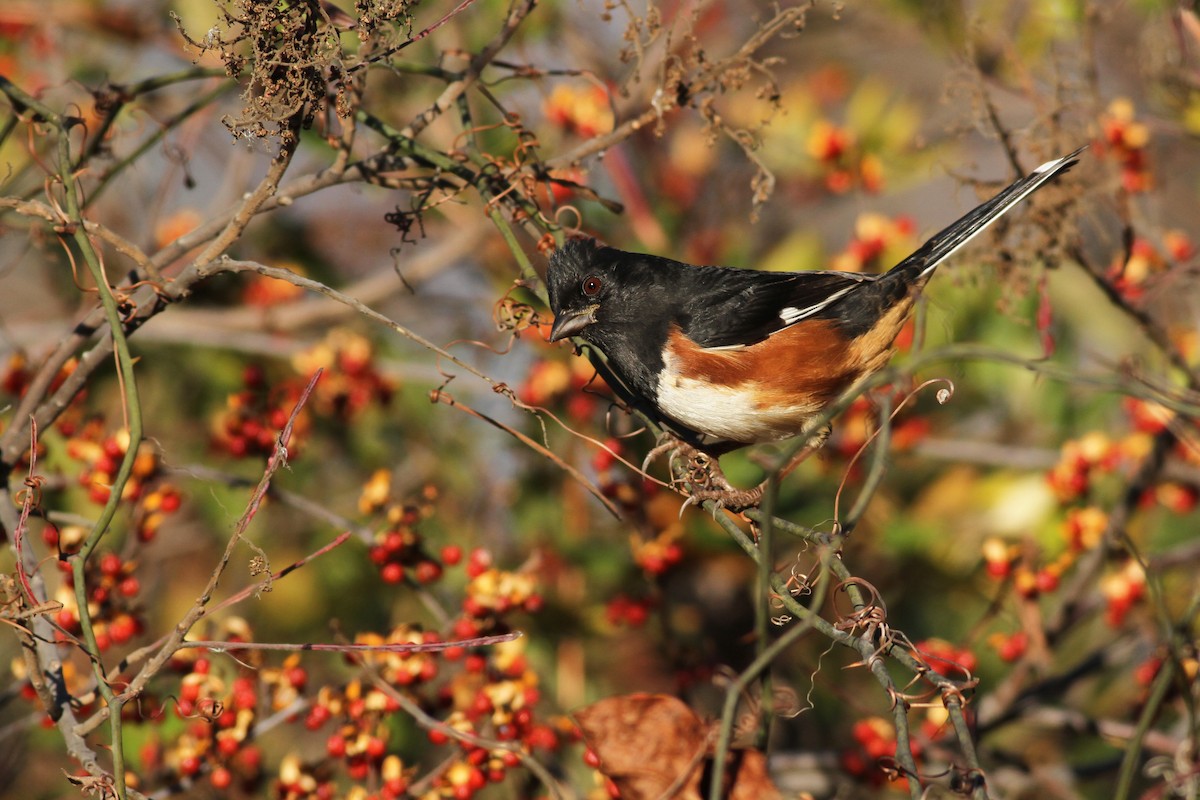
[
  {"x": 718, "y": 488},
  {"x": 704, "y": 477},
  {"x": 706, "y": 480},
  {"x": 666, "y": 444}
]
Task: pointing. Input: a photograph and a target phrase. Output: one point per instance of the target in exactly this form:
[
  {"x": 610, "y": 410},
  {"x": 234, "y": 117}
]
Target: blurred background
[{"x": 1036, "y": 532}]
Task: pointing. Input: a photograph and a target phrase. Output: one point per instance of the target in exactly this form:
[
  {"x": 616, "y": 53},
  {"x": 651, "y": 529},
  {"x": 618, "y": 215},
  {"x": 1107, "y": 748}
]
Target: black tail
[{"x": 940, "y": 247}]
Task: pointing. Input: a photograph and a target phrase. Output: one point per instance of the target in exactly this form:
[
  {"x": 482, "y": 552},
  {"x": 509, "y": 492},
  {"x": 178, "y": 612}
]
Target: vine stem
[{"x": 133, "y": 426}]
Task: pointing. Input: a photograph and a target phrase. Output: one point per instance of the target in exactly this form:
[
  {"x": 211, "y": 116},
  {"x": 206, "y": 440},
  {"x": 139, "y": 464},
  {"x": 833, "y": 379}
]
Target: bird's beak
[{"x": 569, "y": 323}]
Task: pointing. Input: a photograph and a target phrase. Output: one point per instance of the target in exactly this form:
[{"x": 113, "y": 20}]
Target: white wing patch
[
  {"x": 1049, "y": 165},
  {"x": 791, "y": 315}
]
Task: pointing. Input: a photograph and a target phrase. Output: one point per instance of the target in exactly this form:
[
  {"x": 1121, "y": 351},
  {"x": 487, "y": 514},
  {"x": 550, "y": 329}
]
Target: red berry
[
  {"x": 250, "y": 759},
  {"x": 297, "y": 677},
  {"x": 358, "y": 768},
  {"x": 253, "y": 376},
  {"x": 227, "y": 745},
  {"x": 999, "y": 569},
  {"x": 603, "y": 460},
  {"x": 122, "y": 629},
  {"x": 110, "y": 564},
  {"x": 1046, "y": 581},
  {"x": 473, "y": 607},
  {"x": 1014, "y": 646},
  {"x": 392, "y": 572},
  {"x": 170, "y": 502},
  {"x": 245, "y": 699},
  {"x": 478, "y": 562},
  {"x": 428, "y": 571},
  {"x": 482, "y": 705},
  {"x": 451, "y": 555},
  {"x": 335, "y": 746},
  {"x": 376, "y": 748}
]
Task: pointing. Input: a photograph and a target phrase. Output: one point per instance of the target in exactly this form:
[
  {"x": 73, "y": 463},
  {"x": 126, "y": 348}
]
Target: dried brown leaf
[{"x": 654, "y": 746}]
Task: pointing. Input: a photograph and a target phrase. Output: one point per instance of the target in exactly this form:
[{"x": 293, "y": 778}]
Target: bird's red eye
[{"x": 592, "y": 285}]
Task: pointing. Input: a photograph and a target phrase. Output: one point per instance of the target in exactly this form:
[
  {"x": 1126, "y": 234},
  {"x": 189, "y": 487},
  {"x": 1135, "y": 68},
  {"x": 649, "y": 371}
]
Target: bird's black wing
[{"x": 735, "y": 307}]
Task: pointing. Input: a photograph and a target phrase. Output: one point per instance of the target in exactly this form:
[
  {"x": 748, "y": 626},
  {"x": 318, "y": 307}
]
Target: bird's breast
[{"x": 763, "y": 392}]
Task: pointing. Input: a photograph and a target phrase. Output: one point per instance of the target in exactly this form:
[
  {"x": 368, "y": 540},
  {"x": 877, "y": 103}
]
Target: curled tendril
[
  {"x": 32, "y": 491},
  {"x": 209, "y": 709},
  {"x": 573, "y": 228},
  {"x": 511, "y": 314},
  {"x": 798, "y": 583},
  {"x": 873, "y": 611}
]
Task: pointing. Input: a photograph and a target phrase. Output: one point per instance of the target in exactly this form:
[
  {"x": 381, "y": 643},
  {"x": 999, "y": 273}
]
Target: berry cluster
[
  {"x": 113, "y": 589},
  {"x": 843, "y": 163},
  {"x": 219, "y": 702},
  {"x": 947, "y": 659},
  {"x": 17, "y": 376},
  {"x": 351, "y": 382},
  {"x": 875, "y": 740},
  {"x": 154, "y": 497},
  {"x": 1080, "y": 480},
  {"x": 250, "y": 423},
  {"x": 1131, "y": 276},
  {"x": 359, "y": 741},
  {"x": 571, "y": 385},
  {"x": 1124, "y": 139}
]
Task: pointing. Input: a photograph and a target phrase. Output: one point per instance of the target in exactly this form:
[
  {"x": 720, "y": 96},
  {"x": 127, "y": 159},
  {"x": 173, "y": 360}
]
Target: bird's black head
[
  {"x": 623, "y": 303},
  {"x": 582, "y": 276}
]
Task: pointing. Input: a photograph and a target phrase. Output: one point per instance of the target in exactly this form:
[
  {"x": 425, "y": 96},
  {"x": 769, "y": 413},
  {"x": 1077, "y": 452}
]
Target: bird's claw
[{"x": 703, "y": 478}]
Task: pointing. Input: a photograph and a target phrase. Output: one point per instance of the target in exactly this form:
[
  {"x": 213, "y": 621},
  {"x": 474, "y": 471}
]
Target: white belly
[{"x": 729, "y": 413}]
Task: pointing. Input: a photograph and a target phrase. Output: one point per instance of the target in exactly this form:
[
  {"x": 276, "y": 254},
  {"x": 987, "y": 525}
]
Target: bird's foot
[{"x": 702, "y": 478}]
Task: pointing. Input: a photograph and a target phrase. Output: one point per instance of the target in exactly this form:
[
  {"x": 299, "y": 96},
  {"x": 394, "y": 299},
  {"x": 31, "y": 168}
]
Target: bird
[{"x": 726, "y": 357}]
